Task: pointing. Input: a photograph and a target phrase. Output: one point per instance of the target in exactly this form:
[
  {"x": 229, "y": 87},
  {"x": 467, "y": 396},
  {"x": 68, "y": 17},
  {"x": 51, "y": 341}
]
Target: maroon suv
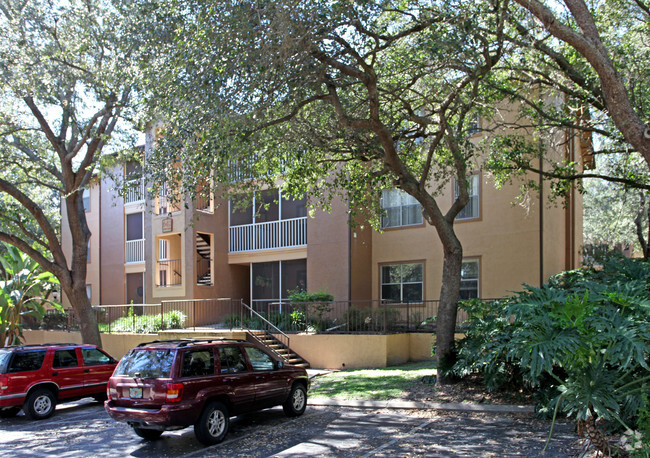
[
  {"x": 167, "y": 385},
  {"x": 36, "y": 377}
]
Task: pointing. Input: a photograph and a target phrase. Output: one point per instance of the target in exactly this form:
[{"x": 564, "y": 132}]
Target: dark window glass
[
  {"x": 24, "y": 361},
  {"x": 133, "y": 170},
  {"x": 86, "y": 199},
  {"x": 146, "y": 364},
  {"x": 266, "y": 206},
  {"x": 402, "y": 282},
  {"x": 241, "y": 212},
  {"x": 293, "y": 208},
  {"x": 294, "y": 275},
  {"x": 232, "y": 360},
  {"x": 197, "y": 363},
  {"x": 266, "y": 280},
  {"x": 92, "y": 356},
  {"x": 260, "y": 361},
  {"x": 134, "y": 226},
  {"x": 65, "y": 358}
]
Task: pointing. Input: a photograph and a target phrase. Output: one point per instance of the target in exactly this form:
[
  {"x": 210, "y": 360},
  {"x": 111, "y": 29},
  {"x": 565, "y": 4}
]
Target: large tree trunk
[
  {"x": 85, "y": 314},
  {"x": 447, "y": 308}
]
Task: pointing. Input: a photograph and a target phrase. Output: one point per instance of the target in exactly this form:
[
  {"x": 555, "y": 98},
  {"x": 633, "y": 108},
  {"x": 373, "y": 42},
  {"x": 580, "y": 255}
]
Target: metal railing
[
  {"x": 278, "y": 318},
  {"x": 285, "y": 233},
  {"x": 134, "y": 251},
  {"x": 170, "y": 273},
  {"x": 266, "y": 325},
  {"x": 135, "y": 192}
]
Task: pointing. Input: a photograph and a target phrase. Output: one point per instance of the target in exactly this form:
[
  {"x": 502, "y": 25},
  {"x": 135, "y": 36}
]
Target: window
[
  {"x": 163, "y": 249},
  {"x": 92, "y": 357},
  {"x": 65, "y": 358},
  {"x": 473, "y": 124},
  {"x": 89, "y": 291},
  {"x": 27, "y": 361},
  {"x": 134, "y": 229},
  {"x": 471, "y": 210},
  {"x": 259, "y": 360},
  {"x": 146, "y": 364},
  {"x": 86, "y": 199},
  {"x": 402, "y": 282},
  {"x": 88, "y": 252},
  {"x": 469, "y": 280},
  {"x": 197, "y": 363},
  {"x": 232, "y": 360},
  {"x": 401, "y": 209}
]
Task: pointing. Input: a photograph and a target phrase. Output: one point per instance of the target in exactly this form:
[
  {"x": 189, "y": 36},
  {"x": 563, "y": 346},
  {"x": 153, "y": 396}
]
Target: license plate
[{"x": 135, "y": 393}]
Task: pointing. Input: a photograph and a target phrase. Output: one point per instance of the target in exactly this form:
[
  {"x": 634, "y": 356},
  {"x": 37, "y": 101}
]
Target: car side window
[
  {"x": 197, "y": 362},
  {"x": 65, "y": 358},
  {"x": 92, "y": 357},
  {"x": 232, "y": 360},
  {"x": 260, "y": 361},
  {"x": 24, "y": 361}
]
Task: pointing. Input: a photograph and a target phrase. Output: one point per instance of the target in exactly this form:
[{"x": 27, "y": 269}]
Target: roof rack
[
  {"x": 54, "y": 344},
  {"x": 191, "y": 341}
]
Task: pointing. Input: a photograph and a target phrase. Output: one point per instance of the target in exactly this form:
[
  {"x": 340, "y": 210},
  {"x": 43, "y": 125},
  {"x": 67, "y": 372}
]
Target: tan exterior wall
[
  {"x": 328, "y": 248},
  {"x": 112, "y": 227}
]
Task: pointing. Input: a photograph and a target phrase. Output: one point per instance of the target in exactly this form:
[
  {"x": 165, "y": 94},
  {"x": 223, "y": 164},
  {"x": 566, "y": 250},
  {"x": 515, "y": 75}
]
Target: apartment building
[{"x": 145, "y": 250}]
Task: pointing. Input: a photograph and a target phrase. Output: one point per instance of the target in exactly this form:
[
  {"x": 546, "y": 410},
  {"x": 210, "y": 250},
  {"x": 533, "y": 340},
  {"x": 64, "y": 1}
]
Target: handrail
[{"x": 267, "y": 322}]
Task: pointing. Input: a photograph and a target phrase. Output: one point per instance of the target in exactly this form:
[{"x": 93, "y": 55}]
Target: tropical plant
[
  {"x": 582, "y": 341},
  {"x": 24, "y": 290}
]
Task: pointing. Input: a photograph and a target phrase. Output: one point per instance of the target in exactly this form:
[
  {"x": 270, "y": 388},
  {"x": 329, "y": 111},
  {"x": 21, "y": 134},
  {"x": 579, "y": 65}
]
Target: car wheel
[
  {"x": 9, "y": 412},
  {"x": 296, "y": 403},
  {"x": 213, "y": 425},
  {"x": 40, "y": 404},
  {"x": 148, "y": 434}
]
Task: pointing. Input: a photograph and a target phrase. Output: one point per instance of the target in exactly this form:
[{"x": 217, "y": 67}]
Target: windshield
[{"x": 146, "y": 364}]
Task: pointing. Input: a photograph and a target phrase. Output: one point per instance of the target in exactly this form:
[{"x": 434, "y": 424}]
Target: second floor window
[
  {"x": 471, "y": 210},
  {"x": 401, "y": 209},
  {"x": 86, "y": 199}
]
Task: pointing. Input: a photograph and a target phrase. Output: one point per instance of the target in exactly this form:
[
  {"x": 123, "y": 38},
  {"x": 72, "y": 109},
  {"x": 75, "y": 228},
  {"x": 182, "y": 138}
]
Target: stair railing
[{"x": 269, "y": 327}]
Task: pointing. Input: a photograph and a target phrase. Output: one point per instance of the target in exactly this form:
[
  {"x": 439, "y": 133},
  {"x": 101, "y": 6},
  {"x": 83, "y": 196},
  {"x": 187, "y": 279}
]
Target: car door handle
[{"x": 54, "y": 374}]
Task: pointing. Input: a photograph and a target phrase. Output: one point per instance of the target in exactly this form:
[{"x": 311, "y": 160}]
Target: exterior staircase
[
  {"x": 202, "y": 243},
  {"x": 267, "y": 340}
]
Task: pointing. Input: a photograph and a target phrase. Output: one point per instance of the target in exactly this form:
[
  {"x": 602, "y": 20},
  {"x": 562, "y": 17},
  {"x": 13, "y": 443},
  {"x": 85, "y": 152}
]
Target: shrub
[
  {"x": 143, "y": 324},
  {"x": 582, "y": 341}
]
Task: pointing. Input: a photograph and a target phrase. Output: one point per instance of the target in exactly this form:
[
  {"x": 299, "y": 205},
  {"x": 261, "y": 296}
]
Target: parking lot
[{"x": 84, "y": 429}]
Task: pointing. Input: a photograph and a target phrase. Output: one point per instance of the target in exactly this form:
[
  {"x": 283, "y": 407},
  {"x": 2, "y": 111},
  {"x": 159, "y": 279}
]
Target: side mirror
[{"x": 279, "y": 364}]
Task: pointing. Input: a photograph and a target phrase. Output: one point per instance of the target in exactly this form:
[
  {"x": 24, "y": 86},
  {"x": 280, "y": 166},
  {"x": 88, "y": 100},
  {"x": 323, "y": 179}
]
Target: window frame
[
  {"x": 403, "y": 195},
  {"x": 402, "y": 283},
  {"x": 477, "y": 261},
  {"x": 477, "y": 196}
]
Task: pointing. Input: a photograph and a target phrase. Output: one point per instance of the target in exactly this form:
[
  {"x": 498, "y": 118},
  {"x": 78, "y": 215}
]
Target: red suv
[
  {"x": 167, "y": 385},
  {"x": 36, "y": 377}
]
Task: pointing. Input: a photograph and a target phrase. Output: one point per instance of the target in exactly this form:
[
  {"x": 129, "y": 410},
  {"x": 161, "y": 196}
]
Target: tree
[
  {"x": 598, "y": 58},
  {"x": 64, "y": 86},
  {"x": 338, "y": 98},
  {"x": 24, "y": 289}
]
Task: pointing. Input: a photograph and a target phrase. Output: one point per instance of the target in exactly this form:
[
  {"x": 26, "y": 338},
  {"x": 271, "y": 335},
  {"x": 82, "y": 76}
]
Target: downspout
[{"x": 541, "y": 223}]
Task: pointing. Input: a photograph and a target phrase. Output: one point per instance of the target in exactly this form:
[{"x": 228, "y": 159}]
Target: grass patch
[{"x": 372, "y": 384}]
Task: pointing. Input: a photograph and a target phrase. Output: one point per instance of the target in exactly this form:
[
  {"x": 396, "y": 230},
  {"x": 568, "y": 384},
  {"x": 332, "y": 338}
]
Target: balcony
[
  {"x": 286, "y": 233},
  {"x": 134, "y": 251},
  {"x": 134, "y": 192},
  {"x": 169, "y": 273}
]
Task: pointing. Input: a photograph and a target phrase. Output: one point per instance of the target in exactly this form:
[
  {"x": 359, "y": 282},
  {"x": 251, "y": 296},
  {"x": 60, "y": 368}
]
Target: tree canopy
[
  {"x": 337, "y": 98},
  {"x": 64, "y": 84}
]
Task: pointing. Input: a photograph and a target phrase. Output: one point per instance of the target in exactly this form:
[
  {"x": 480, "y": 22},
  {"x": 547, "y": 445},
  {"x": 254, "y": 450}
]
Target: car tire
[
  {"x": 40, "y": 404},
  {"x": 147, "y": 434},
  {"x": 213, "y": 425},
  {"x": 9, "y": 412},
  {"x": 296, "y": 403}
]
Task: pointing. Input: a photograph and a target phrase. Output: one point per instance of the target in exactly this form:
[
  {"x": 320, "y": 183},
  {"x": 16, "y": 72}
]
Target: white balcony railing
[
  {"x": 285, "y": 233},
  {"x": 135, "y": 250},
  {"x": 134, "y": 192}
]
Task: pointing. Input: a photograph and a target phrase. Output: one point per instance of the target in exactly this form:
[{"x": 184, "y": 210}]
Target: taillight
[
  {"x": 174, "y": 392},
  {"x": 108, "y": 391},
  {"x": 4, "y": 382}
]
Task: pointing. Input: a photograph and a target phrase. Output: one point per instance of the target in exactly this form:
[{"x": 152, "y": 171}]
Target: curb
[{"x": 397, "y": 404}]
